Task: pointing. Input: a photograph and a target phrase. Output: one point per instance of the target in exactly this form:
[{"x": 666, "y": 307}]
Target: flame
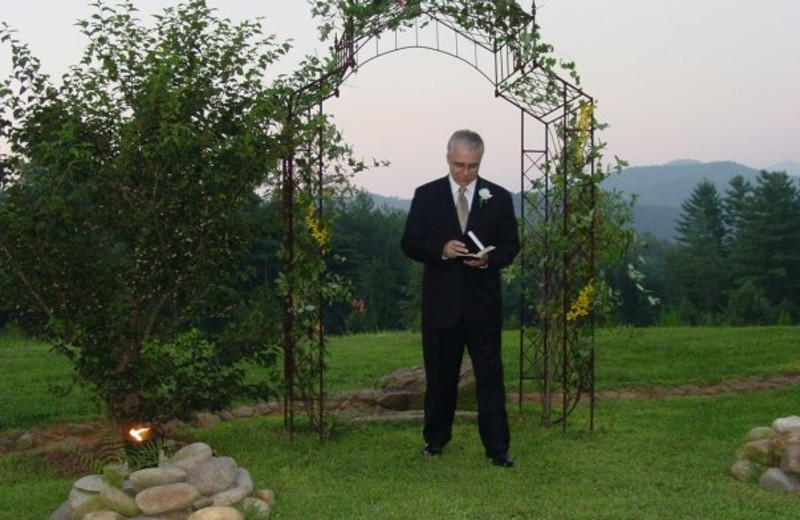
[{"x": 136, "y": 433}]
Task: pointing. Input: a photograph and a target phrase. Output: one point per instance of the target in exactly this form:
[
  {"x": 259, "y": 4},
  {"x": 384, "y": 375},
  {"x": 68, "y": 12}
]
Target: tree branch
[{"x": 27, "y": 283}]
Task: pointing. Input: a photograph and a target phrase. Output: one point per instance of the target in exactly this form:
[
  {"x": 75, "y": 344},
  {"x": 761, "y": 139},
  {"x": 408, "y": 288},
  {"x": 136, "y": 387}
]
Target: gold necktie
[{"x": 462, "y": 208}]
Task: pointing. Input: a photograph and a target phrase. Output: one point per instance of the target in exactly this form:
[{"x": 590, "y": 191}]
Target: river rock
[
  {"x": 406, "y": 387},
  {"x": 776, "y": 479},
  {"x": 758, "y": 452},
  {"x": 254, "y": 505},
  {"x": 93, "y": 483},
  {"x": 104, "y": 515},
  {"x": 82, "y": 503},
  {"x": 62, "y": 513},
  {"x": 150, "y": 477},
  {"x": 189, "y": 456},
  {"x": 787, "y": 424},
  {"x": 242, "y": 487},
  {"x": 169, "y": 497},
  {"x": 217, "y": 513},
  {"x": 398, "y": 400},
  {"x": 243, "y": 412},
  {"x": 759, "y": 432},
  {"x": 743, "y": 470},
  {"x": 213, "y": 476},
  {"x": 780, "y": 441},
  {"x": 115, "y": 499},
  {"x": 790, "y": 460},
  {"x": 205, "y": 419},
  {"x": 267, "y": 495},
  {"x": 265, "y": 408}
]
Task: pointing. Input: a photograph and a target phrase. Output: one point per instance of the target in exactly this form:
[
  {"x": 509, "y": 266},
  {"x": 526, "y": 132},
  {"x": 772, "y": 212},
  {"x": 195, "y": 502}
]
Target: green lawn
[
  {"x": 654, "y": 459},
  {"x": 626, "y": 357}
]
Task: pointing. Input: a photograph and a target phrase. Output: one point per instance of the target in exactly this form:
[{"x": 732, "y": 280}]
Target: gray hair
[{"x": 469, "y": 138}]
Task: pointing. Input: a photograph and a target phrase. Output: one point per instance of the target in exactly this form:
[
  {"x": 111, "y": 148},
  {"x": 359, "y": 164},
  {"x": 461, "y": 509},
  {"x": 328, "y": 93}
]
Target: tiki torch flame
[{"x": 137, "y": 433}]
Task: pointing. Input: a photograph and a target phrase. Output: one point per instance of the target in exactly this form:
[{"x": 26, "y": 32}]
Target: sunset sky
[{"x": 685, "y": 79}]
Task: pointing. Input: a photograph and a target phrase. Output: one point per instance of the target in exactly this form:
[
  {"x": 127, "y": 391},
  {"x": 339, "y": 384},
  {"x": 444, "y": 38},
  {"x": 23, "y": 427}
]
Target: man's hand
[
  {"x": 478, "y": 262},
  {"x": 453, "y": 249},
  {"x": 456, "y": 248}
]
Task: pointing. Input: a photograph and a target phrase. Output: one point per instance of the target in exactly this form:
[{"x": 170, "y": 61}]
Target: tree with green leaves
[
  {"x": 700, "y": 260},
  {"x": 734, "y": 205},
  {"x": 129, "y": 196},
  {"x": 367, "y": 238},
  {"x": 766, "y": 247}
]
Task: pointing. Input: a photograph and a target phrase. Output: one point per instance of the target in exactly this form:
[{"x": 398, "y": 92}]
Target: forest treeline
[{"x": 736, "y": 261}]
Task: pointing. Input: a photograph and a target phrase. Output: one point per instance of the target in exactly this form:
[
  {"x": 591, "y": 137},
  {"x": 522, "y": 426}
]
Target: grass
[
  {"x": 664, "y": 460},
  {"x": 626, "y": 357},
  {"x": 31, "y": 376},
  {"x": 656, "y": 459}
]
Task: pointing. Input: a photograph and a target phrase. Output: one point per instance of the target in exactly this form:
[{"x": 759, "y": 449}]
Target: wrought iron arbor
[{"x": 556, "y": 183}]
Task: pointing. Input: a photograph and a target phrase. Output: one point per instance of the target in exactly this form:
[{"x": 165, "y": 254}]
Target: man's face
[{"x": 464, "y": 163}]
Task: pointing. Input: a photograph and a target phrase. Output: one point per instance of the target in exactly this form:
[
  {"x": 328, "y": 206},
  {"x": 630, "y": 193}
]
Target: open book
[{"x": 484, "y": 250}]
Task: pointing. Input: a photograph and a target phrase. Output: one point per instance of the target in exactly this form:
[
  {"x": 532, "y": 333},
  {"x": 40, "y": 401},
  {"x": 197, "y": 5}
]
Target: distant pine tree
[
  {"x": 701, "y": 253},
  {"x": 766, "y": 247}
]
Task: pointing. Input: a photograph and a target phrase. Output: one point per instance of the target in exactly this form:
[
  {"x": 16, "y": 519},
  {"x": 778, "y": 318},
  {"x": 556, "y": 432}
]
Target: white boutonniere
[{"x": 484, "y": 194}]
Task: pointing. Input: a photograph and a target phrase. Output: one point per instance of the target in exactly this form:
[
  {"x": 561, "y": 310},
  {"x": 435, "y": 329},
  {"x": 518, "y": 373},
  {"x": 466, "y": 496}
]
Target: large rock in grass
[
  {"x": 213, "y": 476},
  {"x": 787, "y": 424},
  {"x": 242, "y": 487},
  {"x": 759, "y": 432},
  {"x": 776, "y": 479},
  {"x": 167, "y": 498},
  {"x": 404, "y": 389},
  {"x": 759, "y": 452},
  {"x": 115, "y": 499},
  {"x": 779, "y": 443},
  {"x": 256, "y": 507},
  {"x": 744, "y": 470},
  {"x": 189, "y": 456},
  {"x": 790, "y": 460},
  {"x": 151, "y": 477},
  {"x": 82, "y": 503},
  {"x": 91, "y": 483},
  {"x": 217, "y": 513},
  {"x": 62, "y": 513},
  {"x": 104, "y": 515}
]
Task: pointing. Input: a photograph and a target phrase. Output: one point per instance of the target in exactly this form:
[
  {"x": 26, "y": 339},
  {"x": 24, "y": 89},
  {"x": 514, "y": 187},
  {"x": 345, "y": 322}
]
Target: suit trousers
[{"x": 443, "y": 350}]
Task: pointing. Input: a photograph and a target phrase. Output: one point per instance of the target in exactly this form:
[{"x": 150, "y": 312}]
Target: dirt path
[
  {"x": 50, "y": 439},
  {"x": 750, "y": 384}
]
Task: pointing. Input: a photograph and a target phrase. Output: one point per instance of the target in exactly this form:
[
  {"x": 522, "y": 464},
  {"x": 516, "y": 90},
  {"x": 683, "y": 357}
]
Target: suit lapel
[
  {"x": 473, "y": 206},
  {"x": 447, "y": 204}
]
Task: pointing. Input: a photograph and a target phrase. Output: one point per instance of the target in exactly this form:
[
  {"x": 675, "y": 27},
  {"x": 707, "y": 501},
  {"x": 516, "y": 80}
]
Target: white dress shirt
[{"x": 468, "y": 193}]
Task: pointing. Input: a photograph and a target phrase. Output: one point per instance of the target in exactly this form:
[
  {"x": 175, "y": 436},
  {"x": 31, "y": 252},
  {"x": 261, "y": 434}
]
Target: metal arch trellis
[{"x": 556, "y": 182}]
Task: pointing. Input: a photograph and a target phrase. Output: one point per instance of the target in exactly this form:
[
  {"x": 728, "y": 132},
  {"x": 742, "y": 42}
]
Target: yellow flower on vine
[
  {"x": 582, "y": 304},
  {"x": 584, "y": 125},
  {"x": 319, "y": 234}
]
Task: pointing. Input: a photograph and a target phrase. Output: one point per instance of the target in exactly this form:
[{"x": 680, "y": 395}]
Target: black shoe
[
  {"x": 431, "y": 450},
  {"x": 503, "y": 461}
]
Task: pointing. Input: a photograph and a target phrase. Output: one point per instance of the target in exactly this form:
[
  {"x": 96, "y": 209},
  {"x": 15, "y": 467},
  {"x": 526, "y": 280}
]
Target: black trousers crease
[{"x": 443, "y": 350}]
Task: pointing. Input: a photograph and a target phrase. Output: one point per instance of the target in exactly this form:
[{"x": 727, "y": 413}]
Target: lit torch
[{"x": 138, "y": 434}]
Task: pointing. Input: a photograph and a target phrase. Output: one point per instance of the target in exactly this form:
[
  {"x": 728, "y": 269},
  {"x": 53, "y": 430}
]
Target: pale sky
[{"x": 684, "y": 79}]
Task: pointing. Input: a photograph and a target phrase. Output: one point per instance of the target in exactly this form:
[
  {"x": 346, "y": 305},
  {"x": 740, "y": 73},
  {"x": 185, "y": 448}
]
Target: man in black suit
[{"x": 461, "y": 299}]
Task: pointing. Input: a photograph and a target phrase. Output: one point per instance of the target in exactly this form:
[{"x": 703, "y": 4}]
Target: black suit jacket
[{"x": 450, "y": 289}]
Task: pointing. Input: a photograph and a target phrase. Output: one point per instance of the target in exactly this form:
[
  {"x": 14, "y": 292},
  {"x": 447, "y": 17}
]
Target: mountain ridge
[{"x": 659, "y": 189}]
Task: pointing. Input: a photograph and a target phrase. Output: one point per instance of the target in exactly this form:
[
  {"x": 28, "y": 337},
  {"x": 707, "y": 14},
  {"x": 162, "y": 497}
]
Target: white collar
[{"x": 467, "y": 193}]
